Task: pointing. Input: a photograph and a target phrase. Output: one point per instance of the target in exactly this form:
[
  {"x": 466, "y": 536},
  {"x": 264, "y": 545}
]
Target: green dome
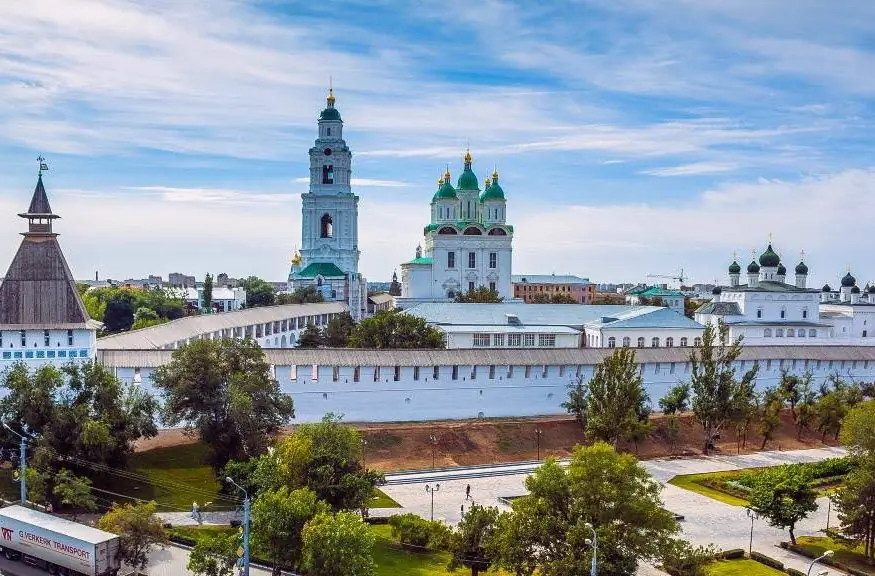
[
  {"x": 855, "y": 290},
  {"x": 848, "y": 280},
  {"x": 871, "y": 289},
  {"x": 734, "y": 268},
  {"x": 826, "y": 288},
  {"x": 782, "y": 270},
  {"x": 445, "y": 192},
  {"x": 753, "y": 267},
  {"x": 494, "y": 192},
  {"x": 801, "y": 269},
  {"x": 330, "y": 113},
  {"x": 468, "y": 180},
  {"x": 769, "y": 258}
]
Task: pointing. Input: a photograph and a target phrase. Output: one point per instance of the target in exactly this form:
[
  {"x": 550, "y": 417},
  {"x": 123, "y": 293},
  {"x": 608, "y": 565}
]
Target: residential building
[
  {"x": 380, "y": 302},
  {"x": 224, "y": 299},
  {"x": 532, "y": 288},
  {"x": 657, "y": 296},
  {"x": 179, "y": 279}
]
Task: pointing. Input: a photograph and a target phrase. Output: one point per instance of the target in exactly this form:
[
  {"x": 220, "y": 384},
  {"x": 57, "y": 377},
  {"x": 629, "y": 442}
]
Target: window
[
  {"x": 529, "y": 340},
  {"x": 335, "y": 373},
  {"x": 61, "y": 354},
  {"x": 759, "y": 312},
  {"x": 455, "y": 372},
  {"x": 805, "y": 312},
  {"x": 24, "y": 337},
  {"x": 472, "y": 259},
  {"x": 481, "y": 340},
  {"x": 626, "y": 341},
  {"x": 641, "y": 342},
  {"x": 812, "y": 333},
  {"x": 436, "y": 373},
  {"x": 498, "y": 340},
  {"x": 683, "y": 342},
  {"x": 492, "y": 286},
  {"x": 470, "y": 286},
  {"x": 783, "y": 313},
  {"x": 451, "y": 259},
  {"x": 669, "y": 342},
  {"x": 790, "y": 332},
  {"x": 801, "y": 333},
  {"x": 376, "y": 374},
  {"x": 864, "y": 333},
  {"x": 492, "y": 372},
  {"x": 328, "y": 174},
  {"x": 45, "y": 337},
  {"x": 697, "y": 341},
  {"x": 546, "y": 340},
  {"x": 767, "y": 333},
  {"x": 510, "y": 371},
  {"x": 493, "y": 260},
  {"x": 612, "y": 342},
  {"x": 328, "y": 131},
  {"x": 779, "y": 332},
  {"x": 396, "y": 375},
  {"x": 30, "y": 354},
  {"x": 654, "y": 343},
  {"x": 514, "y": 339}
]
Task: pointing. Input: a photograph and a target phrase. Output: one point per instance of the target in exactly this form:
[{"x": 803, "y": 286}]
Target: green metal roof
[
  {"x": 494, "y": 192},
  {"x": 468, "y": 180},
  {"x": 769, "y": 258},
  {"x": 734, "y": 268},
  {"x": 330, "y": 113},
  {"x": 421, "y": 260},
  {"x": 445, "y": 192},
  {"x": 324, "y": 269}
]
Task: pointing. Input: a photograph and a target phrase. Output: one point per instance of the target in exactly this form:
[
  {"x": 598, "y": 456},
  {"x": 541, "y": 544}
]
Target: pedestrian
[
  {"x": 194, "y": 510},
  {"x": 463, "y": 511},
  {"x": 468, "y": 492},
  {"x": 49, "y": 507}
]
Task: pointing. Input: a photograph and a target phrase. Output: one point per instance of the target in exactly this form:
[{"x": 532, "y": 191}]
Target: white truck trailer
[{"x": 57, "y": 545}]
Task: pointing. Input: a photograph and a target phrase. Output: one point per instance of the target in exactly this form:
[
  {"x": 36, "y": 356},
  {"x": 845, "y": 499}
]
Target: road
[{"x": 172, "y": 561}]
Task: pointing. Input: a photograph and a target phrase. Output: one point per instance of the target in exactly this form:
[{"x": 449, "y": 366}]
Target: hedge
[
  {"x": 795, "y": 572},
  {"x": 767, "y": 560},
  {"x": 828, "y": 561},
  {"x": 733, "y": 554}
]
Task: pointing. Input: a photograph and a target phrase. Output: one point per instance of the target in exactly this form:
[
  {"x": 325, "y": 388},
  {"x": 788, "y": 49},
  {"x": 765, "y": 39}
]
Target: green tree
[
  {"x": 118, "y": 315},
  {"x": 303, "y": 295},
  {"x": 208, "y": 291},
  {"x": 562, "y": 299},
  {"x": 784, "y": 496},
  {"x": 830, "y": 410},
  {"x": 713, "y": 380},
  {"x": 771, "y": 404},
  {"x": 278, "y": 517},
  {"x": 395, "y": 329},
  {"x": 548, "y": 529},
  {"x": 806, "y": 408},
  {"x": 338, "y": 331},
  {"x": 791, "y": 388},
  {"x": 416, "y": 533},
  {"x": 140, "y": 530},
  {"x": 214, "y": 555},
  {"x": 73, "y": 492},
  {"x": 676, "y": 400},
  {"x": 145, "y": 317},
  {"x": 577, "y": 399},
  {"x": 858, "y": 430},
  {"x": 470, "y": 544},
  {"x": 681, "y": 558},
  {"x": 311, "y": 337},
  {"x": 223, "y": 390},
  {"x": 855, "y": 504},
  {"x": 258, "y": 292},
  {"x": 617, "y": 401},
  {"x": 743, "y": 409},
  {"x": 540, "y": 298},
  {"x": 338, "y": 545},
  {"x": 479, "y": 295}
]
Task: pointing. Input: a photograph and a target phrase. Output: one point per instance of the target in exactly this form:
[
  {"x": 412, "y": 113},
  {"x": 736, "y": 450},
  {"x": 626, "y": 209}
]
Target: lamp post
[
  {"x": 593, "y": 571},
  {"x": 430, "y": 490},
  {"x": 538, "y": 433},
  {"x": 246, "y": 503},
  {"x": 22, "y": 472},
  {"x": 364, "y": 447},
  {"x": 753, "y": 516},
  {"x": 826, "y": 554},
  {"x": 828, "y": 510},
  {"x": 433, "y": 440}
]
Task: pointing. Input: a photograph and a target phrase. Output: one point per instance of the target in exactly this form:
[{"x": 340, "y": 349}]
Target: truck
[{"x": 57, "y": 545}]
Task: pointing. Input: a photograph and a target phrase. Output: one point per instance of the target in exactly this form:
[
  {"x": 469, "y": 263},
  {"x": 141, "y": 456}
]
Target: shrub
[
  {"x": 683, "y": 559},
  {"x": 733, "y": 554},
  {"x": 767, "y": 560},
  {"x": 418, "y": 533},
  {"x": 795, "y": 572}
]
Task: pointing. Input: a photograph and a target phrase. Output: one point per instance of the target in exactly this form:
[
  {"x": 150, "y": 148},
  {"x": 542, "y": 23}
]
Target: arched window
[
  {"x": 612, "y": 342},
  {"x": 669, "y": 342},
  {"x": 654, "y": 343},
  {"x": 641, "y": 342},
  {"x": 767, "y": 333},
  {"x": 779, "y": 332},
  {"x": 626, "y": 341},
  {"x": 473, "y": 231},
  {"x": 497, "y": 232},
  {"x": 697, "y": 341},
  {"x": 326, "y": 228},
  {"x": 447, "y": 230},
  {"x": 783, "y": 312},
  {"x": 319, "y": 280},
  {"x": 759, "y": 312},
  {"x": 683, "y": 342},
  {"x": 328, "y": 174},
  {"x": 805, "y": 312},
  {"x": 812, "y": 333},
  {"x": 790, "y": 333}
]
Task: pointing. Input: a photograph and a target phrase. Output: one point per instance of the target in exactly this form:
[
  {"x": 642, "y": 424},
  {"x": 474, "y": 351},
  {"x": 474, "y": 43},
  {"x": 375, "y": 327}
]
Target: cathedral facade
[
  {"x": 468, "y": 243},
  {"x": 329, "y": 256}
]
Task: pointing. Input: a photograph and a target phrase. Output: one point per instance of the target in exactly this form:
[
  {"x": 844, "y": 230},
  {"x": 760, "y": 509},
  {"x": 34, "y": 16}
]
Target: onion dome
[
  {"x": 734, "y": 268},
  {"x": 716, "y": 290},
  {"x": 801, "y": 269},
  {"x": 855, "y": 290},
  {"x": 330, "y": 112},
  {"x": 769, "y": 258},
  {"x": 826, "y": 288},
  {"x": 782, "y": 270},
  {"x": 871, "y": 289},
  {"x": 467, "y": 179},
  {"x": 494, "y": 191},
  {"x": 753, "y": 267},
  {"x": 296, "y": 258},
  {"x": 445, "y": 190},
  {"x": 848, "y": 280}
]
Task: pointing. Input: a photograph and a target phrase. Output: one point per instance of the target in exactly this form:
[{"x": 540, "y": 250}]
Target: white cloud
[{"x": 692, "y": 169}]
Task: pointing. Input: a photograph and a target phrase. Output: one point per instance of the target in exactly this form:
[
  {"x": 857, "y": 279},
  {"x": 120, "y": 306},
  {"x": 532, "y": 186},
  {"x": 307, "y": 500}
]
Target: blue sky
[{"x": 632, "y": 136}]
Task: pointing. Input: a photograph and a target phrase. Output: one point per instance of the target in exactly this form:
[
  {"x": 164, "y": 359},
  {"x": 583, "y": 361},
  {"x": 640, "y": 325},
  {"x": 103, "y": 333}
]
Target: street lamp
[
  {"x": 753, "y": 516},
  {"x": 827, "y": 554},
  {"x": 538, "y": 433},
  {"x": 430, "y": 490},
  {"x": 593, "y": 571},
  {"x": 364, "y": 447},
  {"x": 433, "y": 440},
  {"x": 246, "y": 503}
]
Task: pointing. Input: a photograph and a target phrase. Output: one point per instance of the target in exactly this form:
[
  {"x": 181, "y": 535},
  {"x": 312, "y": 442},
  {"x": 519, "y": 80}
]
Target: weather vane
[{"x": 42, "y": 164}]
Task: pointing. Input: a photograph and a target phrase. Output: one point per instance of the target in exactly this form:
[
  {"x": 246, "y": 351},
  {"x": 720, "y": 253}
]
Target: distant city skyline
[{"x": 632, "y": 138}]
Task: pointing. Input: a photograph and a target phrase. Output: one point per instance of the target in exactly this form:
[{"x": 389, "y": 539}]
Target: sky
[{"x": 633, "y": 137}]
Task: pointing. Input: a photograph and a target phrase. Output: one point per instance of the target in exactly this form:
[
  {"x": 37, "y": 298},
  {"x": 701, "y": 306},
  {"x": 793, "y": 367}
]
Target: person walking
[
  {"x": 462, "y": 510},
  {"x": 468, "y": 492}
]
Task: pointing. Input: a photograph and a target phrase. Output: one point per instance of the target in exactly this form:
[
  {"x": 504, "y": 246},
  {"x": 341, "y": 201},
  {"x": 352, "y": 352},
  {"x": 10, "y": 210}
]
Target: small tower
[
  {"x": 445, "y": 202},
  {"x": 782, "y": 273},
  {"x": 734, "y": 273},
  {"x": 826, "y": 293},
  {"x": 753, "y": 274},
  {"x": 769, "y": 263},
  {"x": 468, "y": 188},
  {"x": 801, "y": 272},
  {"x": 493, "y": 202},
  {"x": 848, "y": 284},
  {"x": 870, "y": 294},
  {"x": 395, "y": 286}
]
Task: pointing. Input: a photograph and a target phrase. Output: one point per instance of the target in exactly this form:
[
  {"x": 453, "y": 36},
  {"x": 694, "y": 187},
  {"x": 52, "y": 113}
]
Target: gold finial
[
  {"x": 42, "y": 164},
  {"x": 802, "y": 255},
  {"x": 488, "y": 183},
  {"x": 468, "y": 158},
  {"x": 330, "y": 91},
  {"x": 447, "y": 174},
  {"x": 296, "y": 258},
  {"x": 440, "y": 181},
  {"x": 495, "y": 174}
]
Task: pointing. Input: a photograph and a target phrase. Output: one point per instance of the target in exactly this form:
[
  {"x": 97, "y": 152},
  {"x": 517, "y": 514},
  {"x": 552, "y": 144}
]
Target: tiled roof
[
  {"x": 421, "y": 260},
  {"x": 720, "y": 309},
  {"x": 39, "y": 203},
  {"x": 547, "y": 279},
  {"x": 658, "y": 318}
]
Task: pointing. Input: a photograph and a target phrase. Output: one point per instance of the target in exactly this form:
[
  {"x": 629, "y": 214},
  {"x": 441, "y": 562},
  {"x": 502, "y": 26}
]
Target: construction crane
[{"x": 680, "y": 276}]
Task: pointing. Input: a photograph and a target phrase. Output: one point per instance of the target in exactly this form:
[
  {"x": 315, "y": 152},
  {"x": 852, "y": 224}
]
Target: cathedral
[
  {"x": 467, "y": 243},
  {"x": 329, "y": 256}
]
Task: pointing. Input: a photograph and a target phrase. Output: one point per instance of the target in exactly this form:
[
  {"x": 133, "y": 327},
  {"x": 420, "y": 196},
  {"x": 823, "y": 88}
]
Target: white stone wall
[
  {"x": 59, "y": 350},
  {"x": 458, "y": 340},
  {"x": 438, "y": 246},
  {"x": 601, "y": 338}
]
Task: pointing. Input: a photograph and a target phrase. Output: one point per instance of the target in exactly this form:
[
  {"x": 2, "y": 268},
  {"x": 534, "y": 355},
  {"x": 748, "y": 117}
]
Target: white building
[
  {"x": 329, "y": 255},
  {"x": 671, "y": 299},
  {"x": 42, "y": 317},
  {"x": 468, "y": 243},
  {"x": 225, "y": 299}
]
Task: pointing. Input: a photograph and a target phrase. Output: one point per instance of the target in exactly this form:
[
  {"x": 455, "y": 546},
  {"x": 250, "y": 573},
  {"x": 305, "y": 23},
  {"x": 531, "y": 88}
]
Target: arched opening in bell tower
[
  {"x": 328, "y": 174},
  {"x": 327, "y": 227}
]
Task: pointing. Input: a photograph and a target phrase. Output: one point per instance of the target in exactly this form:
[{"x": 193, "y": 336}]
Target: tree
[
  {"x": 617, "y": 401},
  {"x": 258, "y": 292},
  {"x": 208, "y": 291},
  {"x": 806, "y": 408},
  {"x": 214, "y": 555},
  {"x": 470, "y": 544},
  {"x": 577, "y": 400},
  {"x": 278, "y": 517},
  {"x": 771, "y": 404},
  {"x": 338, "y": 545},
  {"x": 562, "y": 299},
  {"x": 338, "y": 331},
  {"x": 139, "y": 530},
  {"x": 676, "y": 400},
  {"x": 681, "y": 558},
  {"x": 223, "y": 390},
  {"x": 417, "y": 533},
  {"x": 858, "y": 430},
  {"x": 480, "y": 295},
  {"x": 145, "y": 317},
  {"x": 73, "y": 492},
  {"x": 119, "y": 312},
  {"x": 743, "y": 410},
  {"x": 784, "y": 496},
  {"x": 790, "y": 389},
  {"x": 547, "y": 530},
  {"x": 855, "y": 504},
  {"x": 713, "y": 380},
  {"x": 311, "y": 337},
  {"x": 303, "y": 295},
  {"x": 395, "y": 329},
  {"x": 830, "y": 410}
]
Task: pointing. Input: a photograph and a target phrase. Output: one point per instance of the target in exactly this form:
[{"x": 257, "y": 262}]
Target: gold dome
[
  {"x": 495, "y": 174},
  {"x": 468, "y": 158},
  {"x": 487, "y": 183},
  {"x": 330, "y": 98},
  {"x": 447, "y": 175},
  {"x": 296, "y": 258}
]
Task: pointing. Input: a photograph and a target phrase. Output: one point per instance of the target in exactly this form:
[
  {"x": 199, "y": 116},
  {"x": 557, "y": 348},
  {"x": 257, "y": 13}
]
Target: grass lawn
[
  {"x": 691, "y": 482},
  {"x": 844, "y": 552},
  {"x": 382, "y": 500},
  {"x": 741, "y": 567},
  {"x": 180, "y": 476}
]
